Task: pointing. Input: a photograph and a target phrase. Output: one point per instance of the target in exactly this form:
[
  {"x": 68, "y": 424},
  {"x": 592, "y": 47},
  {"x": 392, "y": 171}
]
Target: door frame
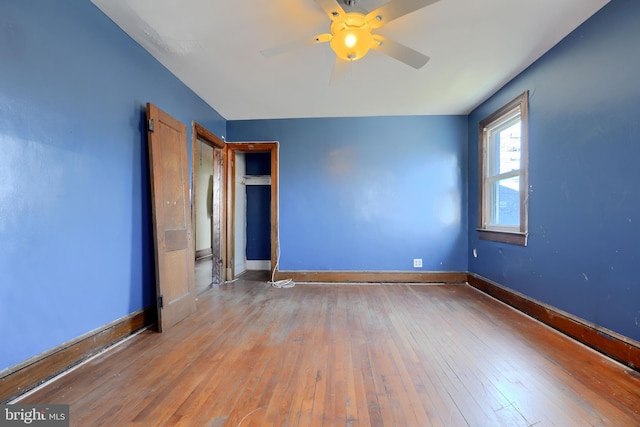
[
  {"x": 200, "y": 133},
  {"x": 252, "y": 147}
]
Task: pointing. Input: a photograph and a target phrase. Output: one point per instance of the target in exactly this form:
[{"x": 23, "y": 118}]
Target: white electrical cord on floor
[{"x": 284, "y": 283}]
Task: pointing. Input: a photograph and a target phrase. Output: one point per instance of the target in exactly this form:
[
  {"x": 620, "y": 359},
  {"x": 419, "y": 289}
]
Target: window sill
[{"x": 511, "y": 237}]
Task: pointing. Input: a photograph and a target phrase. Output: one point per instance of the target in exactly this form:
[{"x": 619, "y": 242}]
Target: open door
[
  {"x": 216, "y": 229},
  {"x": 209, "y": 207},
  {"x": 168, "y": 166}
]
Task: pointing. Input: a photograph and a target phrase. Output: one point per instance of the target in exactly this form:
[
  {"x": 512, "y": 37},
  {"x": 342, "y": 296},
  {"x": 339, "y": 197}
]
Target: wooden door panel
[
  {"x": 175, "y": 240},
  {"x": 168, "y": 165},
  {"x": 216, "y": 230},
  {"x": 175, "y": 274},
  {"x": 174, "y": 177}
]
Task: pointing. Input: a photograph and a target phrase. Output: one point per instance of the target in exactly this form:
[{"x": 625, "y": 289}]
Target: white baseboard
[
  {"x": 258, "y": 264},
  {"x": 239, "y": 268}
]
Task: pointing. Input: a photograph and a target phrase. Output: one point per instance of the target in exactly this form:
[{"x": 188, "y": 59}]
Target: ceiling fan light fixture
[
  {"x": 351, "y": 44},
  {"x": 352, "y": 35},
  {"x": 350, "y": 40}
]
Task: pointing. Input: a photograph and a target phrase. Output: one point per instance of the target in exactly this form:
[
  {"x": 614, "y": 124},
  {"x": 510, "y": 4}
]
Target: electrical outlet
[{"x": 417, "y": 263}]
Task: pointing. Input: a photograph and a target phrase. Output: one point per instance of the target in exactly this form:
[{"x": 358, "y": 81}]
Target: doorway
[
  {"x": 208, "y": 208},
  {"x": 264, "y": 191}
]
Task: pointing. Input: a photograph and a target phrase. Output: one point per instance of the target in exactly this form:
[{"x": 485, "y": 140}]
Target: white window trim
[{"x": 514, "y": 235}]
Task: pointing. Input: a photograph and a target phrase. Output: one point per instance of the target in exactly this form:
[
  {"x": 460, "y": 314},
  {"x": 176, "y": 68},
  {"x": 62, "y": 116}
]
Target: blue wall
[
  {"x": 584, "y": 195},
  {"x": 355, "y": 193},
  {"x": 369, "y": 193},
  {"x": 258, "y": 208},
  {"x": 258, "y": 163},
  {"x": 258, "y": 222},
  {"x": 75, "y": 233}
]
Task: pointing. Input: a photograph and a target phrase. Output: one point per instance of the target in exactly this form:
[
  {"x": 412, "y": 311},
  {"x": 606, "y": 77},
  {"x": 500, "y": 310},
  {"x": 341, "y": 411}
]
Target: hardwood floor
[
  {"x": 203, "y": 274},
  {"x": 349, "y": 355}
]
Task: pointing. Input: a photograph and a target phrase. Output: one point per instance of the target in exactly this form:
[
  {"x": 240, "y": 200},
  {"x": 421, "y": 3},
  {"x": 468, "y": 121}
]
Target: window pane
[
  {"x": 505, "y": 147},
  {"x": 504, "y": 197},
  {"x": 502, "y": 213}
]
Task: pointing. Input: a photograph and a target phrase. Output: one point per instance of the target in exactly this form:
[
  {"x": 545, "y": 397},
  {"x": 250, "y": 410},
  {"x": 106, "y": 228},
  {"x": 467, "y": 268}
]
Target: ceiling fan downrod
[{"x": 351, "y": 3}]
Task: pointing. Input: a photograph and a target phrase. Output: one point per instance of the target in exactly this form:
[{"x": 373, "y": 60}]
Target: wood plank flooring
[
  {"x": 349, "y": 355},
  {"x": 203, "y": 274}
]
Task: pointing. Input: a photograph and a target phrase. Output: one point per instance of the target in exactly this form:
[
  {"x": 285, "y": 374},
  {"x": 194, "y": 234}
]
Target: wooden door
[
  {"x": 168, "y": 166},
  {"x": 216, "y": 226},
  {"x": 216, "y": 200}
]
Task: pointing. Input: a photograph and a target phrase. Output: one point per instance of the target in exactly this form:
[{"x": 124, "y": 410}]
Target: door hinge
[
  {"x": 161, "y": 301},
  {"x": 150, "y": 124}
]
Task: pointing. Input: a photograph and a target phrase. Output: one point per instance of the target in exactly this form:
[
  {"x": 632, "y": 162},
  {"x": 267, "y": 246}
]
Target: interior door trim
[
  {"x": 199, "y": 132},
  {"x": 256, "y": 147}
]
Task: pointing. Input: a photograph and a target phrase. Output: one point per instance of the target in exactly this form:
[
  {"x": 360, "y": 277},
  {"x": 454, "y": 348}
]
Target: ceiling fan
[{"x": 352, "y": 35}]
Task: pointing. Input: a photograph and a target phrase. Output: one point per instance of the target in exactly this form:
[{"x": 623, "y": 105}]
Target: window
[{"x": 503, "y": 173}]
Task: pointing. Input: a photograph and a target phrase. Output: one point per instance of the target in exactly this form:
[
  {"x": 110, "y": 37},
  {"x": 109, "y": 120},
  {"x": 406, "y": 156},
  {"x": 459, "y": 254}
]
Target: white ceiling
[{"x": 475, "y": 46}]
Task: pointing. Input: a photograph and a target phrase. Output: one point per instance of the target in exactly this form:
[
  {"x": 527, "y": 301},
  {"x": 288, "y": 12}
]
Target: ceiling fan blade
[
  {"x": 340, "y": 68},
  {"x": 331, "y": 8},
  {"x": 395, "y": 9},
  {"x": 400, "y": 52},
  {"x": 296, "y": 44}
]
